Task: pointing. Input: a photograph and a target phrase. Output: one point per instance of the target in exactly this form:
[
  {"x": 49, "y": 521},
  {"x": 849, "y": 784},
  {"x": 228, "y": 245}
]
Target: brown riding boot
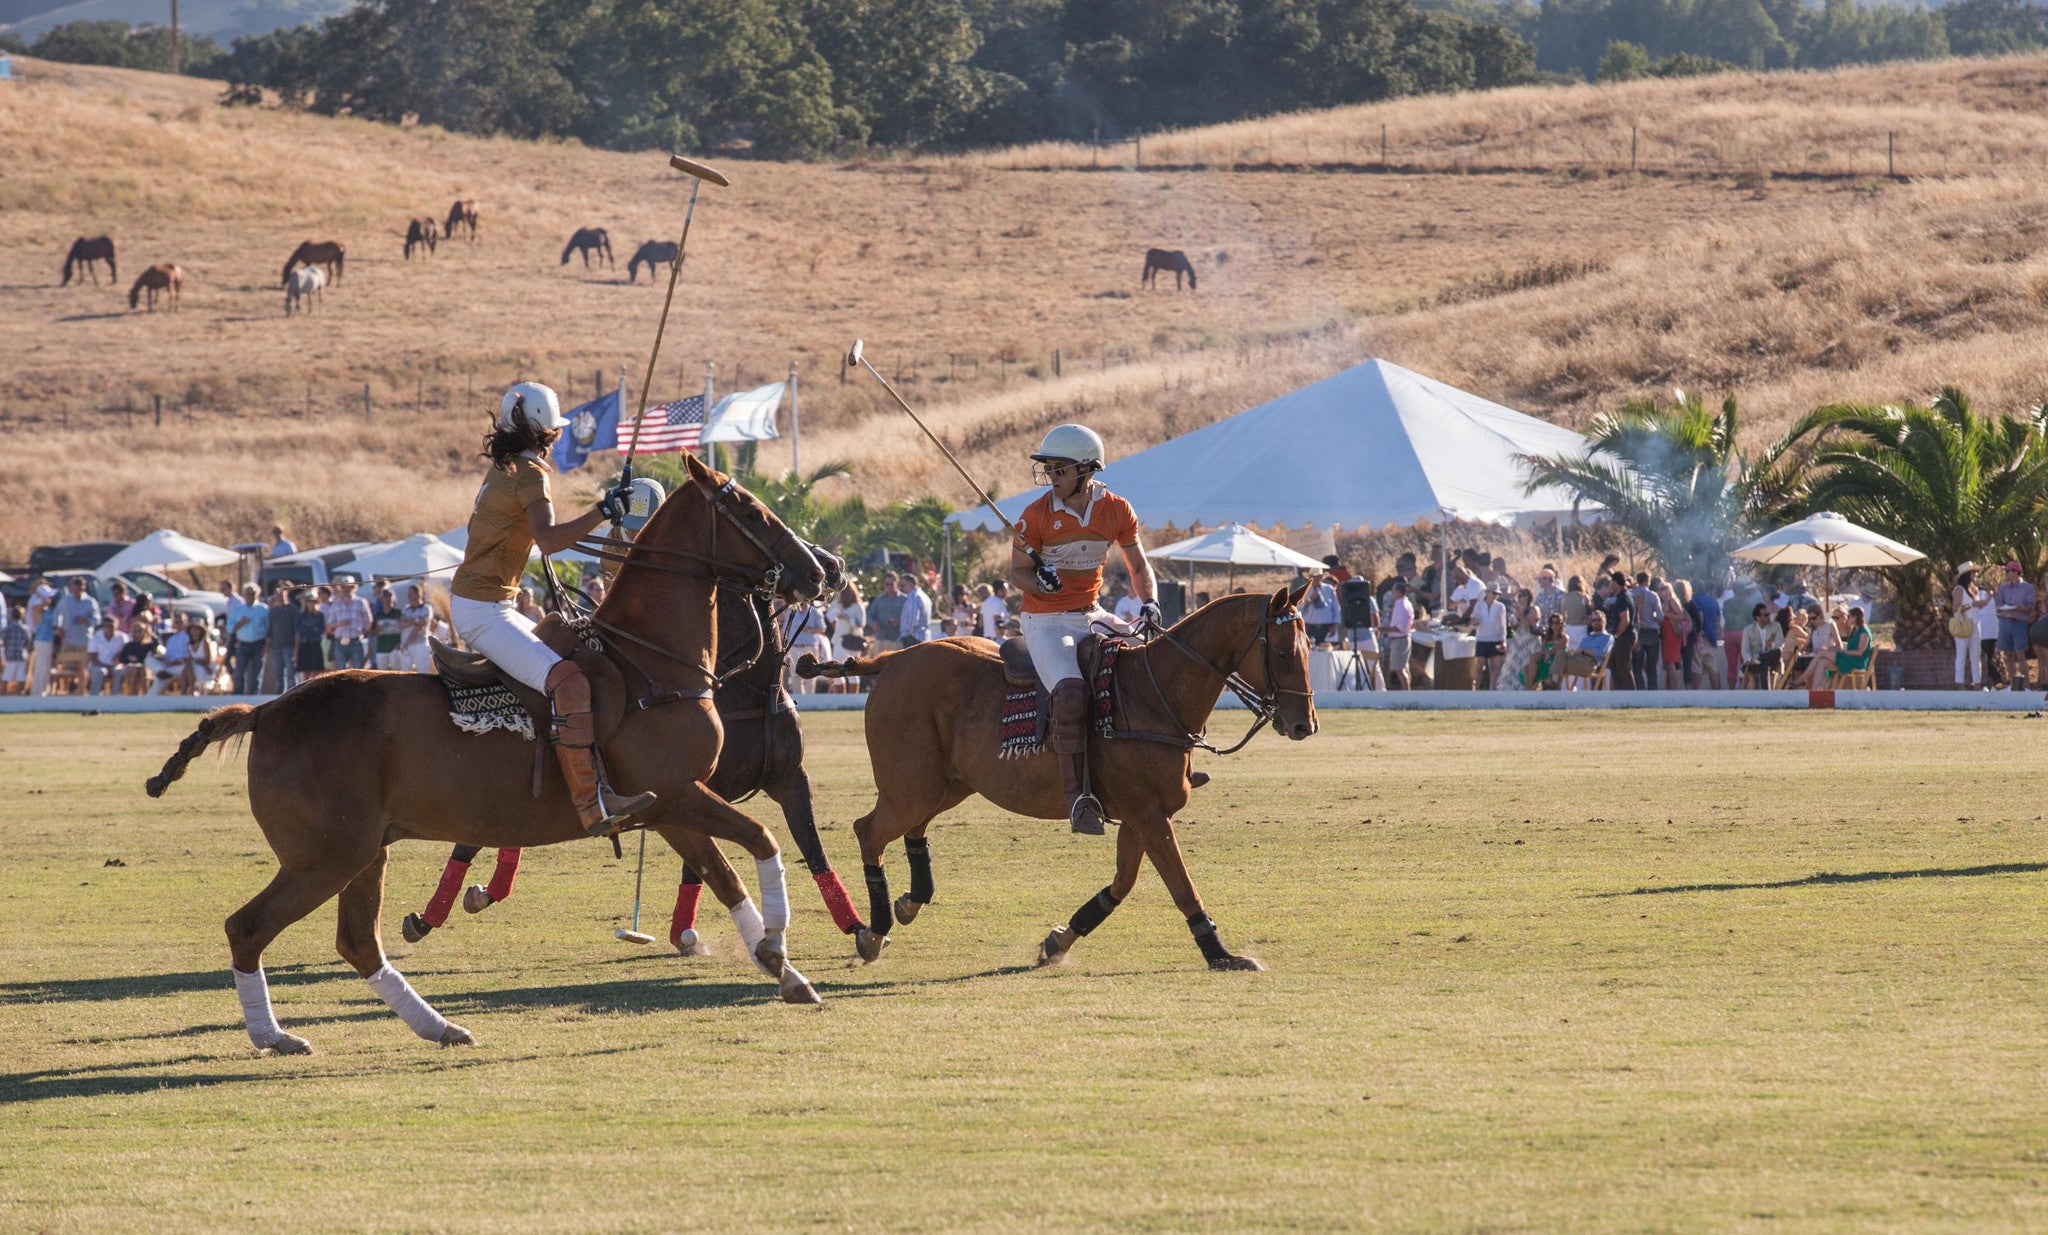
[
  {"x": 1069, "y": 707},
  {"x": 601, "y": 811}
]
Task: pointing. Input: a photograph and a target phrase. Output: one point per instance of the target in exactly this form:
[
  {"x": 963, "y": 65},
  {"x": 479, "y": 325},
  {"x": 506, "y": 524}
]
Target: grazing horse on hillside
[
  {"x": 347, "y": 763},
  {"x": 654, "y": 252},
  {"x": 586, "y": 241},
  {"x": 168, "y": 278},
  {"x": 306, "y": 283},
  {"x": 461, "y": 214},
  {"x": 763, "y": 753},
  {"x": 85, "y": 252},
  {"x": 935, "y": 719},
  {"x": 420, "y": 233},
  {"x": 326, "y": 253},
  {"x": 1157, "y": 260}
]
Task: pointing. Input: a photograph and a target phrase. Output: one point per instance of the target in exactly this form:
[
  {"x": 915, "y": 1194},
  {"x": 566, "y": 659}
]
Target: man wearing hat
[
  {"x": 1549, "y": 597},
  {"x": 2014, "y": 600}
]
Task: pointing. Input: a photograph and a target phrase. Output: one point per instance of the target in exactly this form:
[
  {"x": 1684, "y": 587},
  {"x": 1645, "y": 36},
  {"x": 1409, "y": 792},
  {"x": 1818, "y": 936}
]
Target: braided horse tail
[
  {"x": 809, "y": 666},
  {"x": 218, "y": 725}
]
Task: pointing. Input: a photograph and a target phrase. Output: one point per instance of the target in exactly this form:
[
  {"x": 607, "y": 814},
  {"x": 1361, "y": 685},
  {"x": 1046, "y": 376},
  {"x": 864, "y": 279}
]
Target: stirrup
[
  {"x": 1084, "y": 815},
  {"x": 617, "y": 812}
]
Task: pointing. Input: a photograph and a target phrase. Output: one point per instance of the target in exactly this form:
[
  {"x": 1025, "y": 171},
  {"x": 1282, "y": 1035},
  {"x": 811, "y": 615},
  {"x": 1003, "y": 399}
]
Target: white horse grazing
[{"x": 307, "y": 283}]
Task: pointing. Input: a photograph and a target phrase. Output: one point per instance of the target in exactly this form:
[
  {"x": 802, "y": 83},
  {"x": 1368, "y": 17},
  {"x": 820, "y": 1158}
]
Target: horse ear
[{"x": 1287, "y": 598}]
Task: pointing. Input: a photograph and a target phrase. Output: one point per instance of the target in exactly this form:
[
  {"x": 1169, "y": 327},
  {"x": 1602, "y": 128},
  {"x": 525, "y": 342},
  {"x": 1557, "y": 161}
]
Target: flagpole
[
  {"x": 710, "y": 381},
  {"x": 796, "y": 427}
]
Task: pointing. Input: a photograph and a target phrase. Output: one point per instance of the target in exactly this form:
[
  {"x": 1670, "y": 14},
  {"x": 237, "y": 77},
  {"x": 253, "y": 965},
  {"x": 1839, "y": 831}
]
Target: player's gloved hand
[
  {"x": 615, "y": 503},
  {"x": 1149, "y": 615},
  {"x": 1048, "y": 579}
]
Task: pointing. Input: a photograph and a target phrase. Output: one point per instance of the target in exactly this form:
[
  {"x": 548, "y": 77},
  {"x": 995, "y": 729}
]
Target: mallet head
[
  {"x": 693, "y": 168},
  {"x": 853, "y": 353},
  {"x": 632, "y": 936}
]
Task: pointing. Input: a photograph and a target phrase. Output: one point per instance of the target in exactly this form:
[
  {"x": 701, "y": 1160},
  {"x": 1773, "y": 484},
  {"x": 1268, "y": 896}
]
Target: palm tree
[
  {"x": 1671, "y": 476},
  {"x": 1949, "y": 482}
]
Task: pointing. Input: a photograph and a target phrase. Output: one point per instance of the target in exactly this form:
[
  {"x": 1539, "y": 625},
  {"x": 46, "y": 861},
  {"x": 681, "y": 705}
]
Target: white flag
[{"x": 748, "y": 416}]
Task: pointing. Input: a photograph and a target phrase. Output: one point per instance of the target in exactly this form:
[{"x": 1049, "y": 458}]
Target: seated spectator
[
  {"x": 1857, "y": 647},
  {"x": 103, "y": 656},
  {"x": 1798, "y": 643},
  {"x": 1763, "y": 642},
  {"x": 202, "y": 659},
  {"x": 14, "y": 640},
  {"x": 134, "y": 658},
  {"x": 1555, "y": 644},
  {"x": 170, "y": 669},
  {"x": 1591, "y": 659}
]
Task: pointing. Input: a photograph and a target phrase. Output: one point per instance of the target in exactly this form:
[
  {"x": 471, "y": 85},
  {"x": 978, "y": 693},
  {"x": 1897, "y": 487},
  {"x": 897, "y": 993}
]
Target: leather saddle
[
  {"x": 607, "y": 685},
  {"x": 1018, "y": 671}
]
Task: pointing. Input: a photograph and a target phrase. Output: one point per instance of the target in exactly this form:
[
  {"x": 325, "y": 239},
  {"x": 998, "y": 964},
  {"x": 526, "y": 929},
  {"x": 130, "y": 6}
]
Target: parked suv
[{"x": 174, "y": 598}]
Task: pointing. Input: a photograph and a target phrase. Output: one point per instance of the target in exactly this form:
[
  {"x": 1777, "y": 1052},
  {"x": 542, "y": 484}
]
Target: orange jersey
[{"x": 1074, "y": 545}]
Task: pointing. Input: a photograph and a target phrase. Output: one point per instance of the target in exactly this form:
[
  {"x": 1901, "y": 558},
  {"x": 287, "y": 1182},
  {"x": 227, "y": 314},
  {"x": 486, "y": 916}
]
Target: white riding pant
[
  {"x": 498, "y": 630},
  {"x": 1054, "y": 640}
]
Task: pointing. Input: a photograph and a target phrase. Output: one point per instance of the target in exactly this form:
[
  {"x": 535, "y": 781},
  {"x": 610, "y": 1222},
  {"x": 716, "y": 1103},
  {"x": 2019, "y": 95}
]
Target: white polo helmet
[
  {"x": 1077, "y": 442},
  {"x": 536, "y": 402},
  {"x": 647, "y": 496}
]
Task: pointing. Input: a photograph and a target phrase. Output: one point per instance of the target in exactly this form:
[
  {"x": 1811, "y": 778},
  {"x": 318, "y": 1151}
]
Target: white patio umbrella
[
  {"x": 1827, "y": 540},
  {"x": 417, "y": 555},
  {"x": 1231, "y": 545},
  {"x": 165, "y": 550}
]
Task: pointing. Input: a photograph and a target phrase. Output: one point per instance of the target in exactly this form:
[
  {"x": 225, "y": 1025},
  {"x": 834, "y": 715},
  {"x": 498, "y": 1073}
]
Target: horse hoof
[
  {"x": 869, "y": 944},
  {"x": 1231, "y": 964},
  {"x": 796, "y": 988},
  {"x": 414, "y": 928},
  {"x": 906, "y": 909},
  {"x": 456, "y": 1035},
  {"x": 289, "y": 1044},
  {"x": 1058, "y": 943},
  {"x": 477, "y": 899},
  {"x": 770, "y": 959}
]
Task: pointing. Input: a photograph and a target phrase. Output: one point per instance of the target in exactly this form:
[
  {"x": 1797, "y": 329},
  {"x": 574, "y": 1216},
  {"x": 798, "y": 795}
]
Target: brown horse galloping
[
  {"x": 934, "y": 715},
  {"x": 349, "y": 762},
  {"x": 461, "y": 214},
  {"x": 326, "y": 253},
  {"x": 586, "y": 241},
  {"x": 85, "y": 252},
  {"x": 168, "y": 278},
  {"x": 1157, "y": 260}
]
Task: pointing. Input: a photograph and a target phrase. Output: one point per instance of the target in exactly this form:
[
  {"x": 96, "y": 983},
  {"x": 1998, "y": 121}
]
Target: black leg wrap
[
  {"x": 919, "y": 851},
  {"x": 690, "y": 874},
  {"x": 1091, "y": 915},
  {"x": 1206, "y": 938},
  {"x": 879, "y": 910},
  {"x": 465, "y": 853}
]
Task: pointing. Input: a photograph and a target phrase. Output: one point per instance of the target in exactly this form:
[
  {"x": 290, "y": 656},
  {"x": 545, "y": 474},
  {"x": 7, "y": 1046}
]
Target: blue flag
[{"x": 592, "y": 426}]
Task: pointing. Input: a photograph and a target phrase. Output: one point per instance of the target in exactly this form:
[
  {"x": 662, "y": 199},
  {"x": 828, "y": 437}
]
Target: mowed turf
[{"x": 1527, "y": 972}]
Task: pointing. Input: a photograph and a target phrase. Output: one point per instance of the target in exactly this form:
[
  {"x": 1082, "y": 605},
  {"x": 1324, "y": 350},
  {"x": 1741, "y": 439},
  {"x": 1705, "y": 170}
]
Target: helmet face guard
[{"x": 1039, "y": 464}]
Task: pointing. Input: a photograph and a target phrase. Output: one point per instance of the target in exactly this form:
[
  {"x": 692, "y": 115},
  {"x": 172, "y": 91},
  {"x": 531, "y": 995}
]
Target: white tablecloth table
[{"x": 1330, "y": 669}]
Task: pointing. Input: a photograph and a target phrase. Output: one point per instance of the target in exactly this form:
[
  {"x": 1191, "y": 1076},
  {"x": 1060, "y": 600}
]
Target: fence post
[
  {"x": 159, "y": 410},
  {"x": 842, "y": 368},
  {"x": 1383, "y": 145},
  {"x": 366, "y": 402},
  {"x": 1631, "y": 149},
  {"x": 1056, "y": 362},
  {"x": 1890, "y": 166}
]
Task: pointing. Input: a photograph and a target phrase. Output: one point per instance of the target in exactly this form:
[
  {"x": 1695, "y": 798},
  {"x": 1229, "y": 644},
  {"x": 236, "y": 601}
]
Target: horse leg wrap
[
  {"x": 253, "y": 989},
  {"x": 685, "y": 917},
  {"x": 400, "y": 997},
  {"x": 502, "y": 873},
  {"x": 1091, "y": 915},
  {"x": 919, "y": 850},
  {"x": 443, "y": 900},
  {"x": 747, "y": 920},
  {"x": 879, "y": 910},
  {"x": 774, "y": 893},
  {"x": 837, "y": 902},
  {"x": 1205, "y": 937}
]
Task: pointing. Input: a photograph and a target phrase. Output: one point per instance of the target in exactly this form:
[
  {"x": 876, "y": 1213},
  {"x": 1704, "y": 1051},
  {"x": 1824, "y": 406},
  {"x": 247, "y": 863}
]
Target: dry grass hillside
[{"x": 1557, "y": 290}]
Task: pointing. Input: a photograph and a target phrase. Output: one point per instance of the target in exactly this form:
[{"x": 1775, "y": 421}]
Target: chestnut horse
[
  {"x": 85, "y": 252},
  {"x": 347, "y": 763},
  {"x": 325, "y": 253},
  {"x": 461, "y": 214},
  {"x": 168, "y": 278},
  {"x": 763, "y": 753},
  {"x": 934, "y": 715}
]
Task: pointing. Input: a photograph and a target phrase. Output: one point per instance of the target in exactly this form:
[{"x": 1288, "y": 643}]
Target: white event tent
[{"x": 166, "y": 550}]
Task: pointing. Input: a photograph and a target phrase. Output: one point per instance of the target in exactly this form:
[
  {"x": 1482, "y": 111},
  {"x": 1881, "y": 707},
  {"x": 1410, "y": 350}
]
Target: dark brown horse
[
  {"x": 421, "y": 233},
  {"x": 763, "y": 753},
  {"x": 85, "y": 252},
  {"x": 586, "y": 241},
  {"x": 653, "y": 253},
  {"x": 347, "y": 763},
  {"x": 326, "y": 253},
  {"x": 1157, "y": 260},
  {"x": 934, "y": 716},
  {"x": 461, "y": 214},
  {"x": 168, "y": 279}
]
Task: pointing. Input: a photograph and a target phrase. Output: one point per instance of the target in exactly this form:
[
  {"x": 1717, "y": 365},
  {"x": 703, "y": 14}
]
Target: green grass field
[{"x": 1528, "y": 972}]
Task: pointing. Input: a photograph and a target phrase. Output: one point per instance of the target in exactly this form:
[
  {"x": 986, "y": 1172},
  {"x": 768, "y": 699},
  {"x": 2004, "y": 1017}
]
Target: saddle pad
[
  {"x": 480, "y": 709},
  {"x": 1022, "y": 729}
]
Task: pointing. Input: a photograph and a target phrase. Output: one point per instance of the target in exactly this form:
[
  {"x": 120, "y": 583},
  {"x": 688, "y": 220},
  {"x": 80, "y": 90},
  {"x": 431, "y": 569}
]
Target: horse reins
[{"x": 1264, "y": 705}]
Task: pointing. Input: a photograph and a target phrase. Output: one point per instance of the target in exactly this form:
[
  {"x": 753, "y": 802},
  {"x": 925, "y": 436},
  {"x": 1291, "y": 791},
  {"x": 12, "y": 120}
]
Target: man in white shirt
[
  {"x": 1490, "y": 628},
  {"x": 1127, "y": 605},
  {"x": 103, "y": 650},
  {"x": 1395, "y": 631},
  {"x": 171, "y": 661},
  {"x": 995, "y": 611},
  {"x": 1467, "y": 593}
]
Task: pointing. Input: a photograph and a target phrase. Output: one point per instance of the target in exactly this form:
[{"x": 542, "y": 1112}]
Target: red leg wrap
[
  {"x": 452, "y": 876},
  {"x": 686, "y": 912},
  {"x": 503, "y": 873},
  {"x": 836, "y": 901}
]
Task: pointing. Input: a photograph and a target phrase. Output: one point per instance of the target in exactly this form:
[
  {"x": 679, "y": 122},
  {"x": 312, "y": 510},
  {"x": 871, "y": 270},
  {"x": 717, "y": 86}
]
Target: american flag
[{"x": 670, "y": 427}]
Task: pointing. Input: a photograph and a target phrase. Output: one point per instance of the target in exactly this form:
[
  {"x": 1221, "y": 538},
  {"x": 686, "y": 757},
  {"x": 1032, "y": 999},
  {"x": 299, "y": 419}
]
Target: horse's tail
[
  {"x": 218, "y": 725},
  {"x": 809, "y": 666}
]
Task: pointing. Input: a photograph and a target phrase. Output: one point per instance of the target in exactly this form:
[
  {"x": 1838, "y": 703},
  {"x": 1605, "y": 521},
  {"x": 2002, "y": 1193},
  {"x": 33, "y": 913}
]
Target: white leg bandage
[
  {"x": 747, "y": 920},
  {"x": 774, "y": 893},
  {"x": 253, "y": 989},
  {"x": 400, "y": 997}
]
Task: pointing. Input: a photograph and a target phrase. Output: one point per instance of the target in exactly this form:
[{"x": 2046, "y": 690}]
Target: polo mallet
[
  {"x": 854, "y": 356},
  {"x": 701, "y": 173},
  {"x": 634, "y": 935}
]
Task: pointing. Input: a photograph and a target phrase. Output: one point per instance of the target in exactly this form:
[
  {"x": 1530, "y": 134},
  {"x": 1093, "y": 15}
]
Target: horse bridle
[{"x": 1263, "y": 705}]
